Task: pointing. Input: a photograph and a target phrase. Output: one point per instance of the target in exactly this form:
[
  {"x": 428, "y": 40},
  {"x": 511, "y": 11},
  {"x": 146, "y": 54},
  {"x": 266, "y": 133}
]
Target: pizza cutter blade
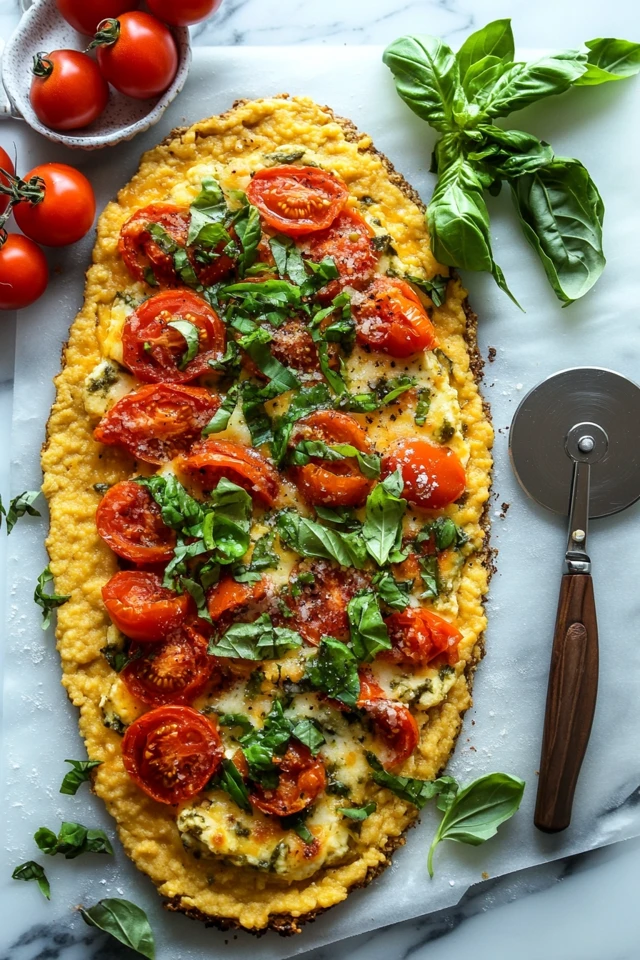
[{"x": 575, "y": 448}]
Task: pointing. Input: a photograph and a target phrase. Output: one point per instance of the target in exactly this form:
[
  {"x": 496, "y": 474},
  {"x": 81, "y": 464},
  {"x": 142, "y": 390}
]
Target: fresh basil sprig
[
  {"x": 33, "y": 871},
  {"x": 125, "y": 922},
  {"x": 72, "y": 841},
  {"x": 460, "y": 95},
  {"x": 80, "y": 773},
  {"x": 48, "y": 601}
]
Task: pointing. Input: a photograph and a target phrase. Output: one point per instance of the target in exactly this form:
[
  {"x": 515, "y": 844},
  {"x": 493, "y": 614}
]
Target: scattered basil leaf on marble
[
  {"x": 19, "y": 506},
  {"x": 80, "y": 773},
  {"x": 358, "y": 813},
  {"x": 73, "y": 840},
  {"x": 334, "y": 671},
  {"x": 609, "y": 59},
  {"x": 125, "y": 922},
  {"x": 48, "y": 601},
  {"x": 231, "y": 781},
  {"x": 473, "y": 813},
  {"x": 33, "y": 871},
  {"x": 191, "y": 335}
]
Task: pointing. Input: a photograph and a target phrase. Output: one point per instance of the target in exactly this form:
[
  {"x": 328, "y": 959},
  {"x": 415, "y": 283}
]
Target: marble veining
[{"x": 579, "y": 907}]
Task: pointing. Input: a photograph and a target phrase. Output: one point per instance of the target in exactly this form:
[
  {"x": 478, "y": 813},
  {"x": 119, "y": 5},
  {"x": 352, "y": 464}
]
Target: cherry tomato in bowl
[
  {"x": 68, "y": 91},
  {"x": 172, "y": 752},
  {"x": 433, "y": 475},
  {"x": 6, "y": 164},
  {"x": 24, "y": 272},
  {"x": 142, "y": 608},
  {"x": 297, "y": 200},
  {"x": 86, "y": 15},
  {"x": 137, "y": 54},
  {"x": 185, "y": 13},
  {"x": 63, "y": 206}
]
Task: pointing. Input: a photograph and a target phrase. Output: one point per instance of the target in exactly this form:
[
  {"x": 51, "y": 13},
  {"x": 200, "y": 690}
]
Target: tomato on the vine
[
  {"x": 58, "y": 205},
  {"x": 433, "y": 475},
  {"x": 297, "y": 200},
  {"x": 185, "y": 13},
  {"x": 86, "y": 15},
  {"x": 137, "y": 54},
  {"x": 24, "y": 272},
  {"x": 172, "y": 752},
  {"x": 141, "y": 607},
  {"x": 212, "y": 459},
  {"x": 6, "y": 164},
  {"x": 68, "y": 91}
]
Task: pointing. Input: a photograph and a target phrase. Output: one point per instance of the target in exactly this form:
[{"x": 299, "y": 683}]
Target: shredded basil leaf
[
  {"x": 369, "y": 463},
  {"x": 259, "y": 640},
  {"x": 369, "y": 634},
  {"x": 191, "y": 334},
  {"x": 33, "y": 871},
  {"x": 334, "y": 671},
  {"x": 19, "y": 506},
  {"x": 394, "y": 593},
  {"x": 80, "y": 773},
  {"x": 230, "y": 780},
  {"x": 48, "y": 601},
  {"x": 312, "y": 539},
  {"x": 220, "y": 419},
  {"x": 358, "y": 813}
]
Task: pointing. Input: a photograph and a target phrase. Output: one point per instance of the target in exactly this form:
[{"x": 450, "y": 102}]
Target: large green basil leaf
[
  {"x": 312, "y": 539},
  {"x": 427, "y": 76},
  {"x": 474, "y": 813},
  {"x": 493, "y": 40},
  {"x": 334, "y": 670},
  {"x": 561, "y": 213},
  {"x": 609, "y": 59},
  {"x": 524, "y": 83},
  {"x": 125, "y": 922},
  {"x": 382, "y": 529},
  {"x": 509, "y": 153},
  {"x": 259, "y": 640},
  {"x": 369, "y": 634},
  {"x": 227, "y": 526}
]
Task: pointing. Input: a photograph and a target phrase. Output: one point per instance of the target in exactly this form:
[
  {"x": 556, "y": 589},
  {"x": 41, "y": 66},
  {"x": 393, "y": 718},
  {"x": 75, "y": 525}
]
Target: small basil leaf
[
  {"x": 220, "y": 419},
  {"x": 475, "y": 812},
  {"x": 358, "y": 813},
  {"x": 230, "y": 780},
  {"x": 289, "y": 262},
  {"x": 334, "y": 670},
  {"x": 410, "y": 789},
  {"x": 191, "y": 334},
  {"x": 423, "y": 406},
  {"x": 256, "y": 345},
  {"x": 306, "y": 401},
  {"x": 48, "y": 601},
  {"x": 21, "y": 505},
  {"x": 510, "y": 153},
  {"x": 426, "y": 75},
  {"x": 435, "y": 288},
  {"x": 382, "y": 529},
  {"x": 307, "y": 732},
  {"x": 609, "y": 59},
  {"x": 369, "y": 634},
  {"x": 33, "y": 871},
  {"x": 73, "y": 840},
  {"x": 493, "y": 40},
  {"x": 255, "y": 415},
  {"x": 394, "y": 593},
  {"x": 249, "y": 231},
  {"x": 259, "y": 640},
  {"x": 430, "y": 574},
  {"x": 561, "y": 214},
  {"x": 303, "y": 832},
  {"x": 312, "y": 539},
  {"x": 369, "y": 463},
  {"x": 80, "y": 773},
  {"x": 524, "y": 83},
  {"x": 125, "y": 922}
]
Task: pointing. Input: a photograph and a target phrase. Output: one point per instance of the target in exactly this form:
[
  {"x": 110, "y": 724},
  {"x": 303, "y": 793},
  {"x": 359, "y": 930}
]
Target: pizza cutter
[{"x": 575, "y": 448}]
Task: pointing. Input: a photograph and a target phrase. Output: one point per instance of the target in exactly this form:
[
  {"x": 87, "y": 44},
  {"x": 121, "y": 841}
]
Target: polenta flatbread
[{"x": 267, "y": 466}]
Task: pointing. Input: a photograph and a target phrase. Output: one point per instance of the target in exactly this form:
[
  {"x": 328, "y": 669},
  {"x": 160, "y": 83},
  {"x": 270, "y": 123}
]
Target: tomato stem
[
  {"x": 107, "y": 34},
  {"x": 21, "y": 191},
  {"x": 42, "y": 65}
]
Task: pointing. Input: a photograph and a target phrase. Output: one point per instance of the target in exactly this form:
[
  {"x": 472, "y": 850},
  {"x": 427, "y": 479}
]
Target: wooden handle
[{"x": 571, "y": 702}]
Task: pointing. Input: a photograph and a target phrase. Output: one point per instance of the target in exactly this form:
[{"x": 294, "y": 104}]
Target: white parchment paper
[{"x": 503, "y": 730}]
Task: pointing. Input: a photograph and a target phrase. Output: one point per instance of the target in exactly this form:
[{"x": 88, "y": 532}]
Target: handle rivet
[
  {"x": 586, "y": 444},
  {"x": 578, "y": 536}
]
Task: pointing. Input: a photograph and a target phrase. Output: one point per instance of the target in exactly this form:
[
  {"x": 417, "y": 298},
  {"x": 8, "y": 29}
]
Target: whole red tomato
[
  {"x": 67, "y": 91},
  {"x": 6, "y": 163},
  {"x": 185, "y": 13},
  {"x": 66, "y": 210},
  {"x": 137, "y": 54},
  {"x": 23, "y": 272},
  {"x": 86, "y": 15}
]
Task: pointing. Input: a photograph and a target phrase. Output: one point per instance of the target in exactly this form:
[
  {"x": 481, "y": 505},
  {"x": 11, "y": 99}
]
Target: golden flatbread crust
[{"x": 81, "y": 563}]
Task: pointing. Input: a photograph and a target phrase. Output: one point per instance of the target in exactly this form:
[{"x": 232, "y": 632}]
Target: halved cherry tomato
[
  {"x": 157, "y": 422},
  {"x": 332, "y": 483},
  {"x": 185, "y": 13},
  {"x": 297, "y": 200},
  {"x": 130, "y": 522},
  {"x": 66, "y": 208},
  {"x": 6, "y": 163},
  {"x": 212, "y": 459},
  {"x": 302, "y": 779},
  {"x": 85, "y": 15},
  {"x": 228, "y": 595},
  {"x": 137, "y": 54},
  {"x": 175, "y": 671},
  {"x": 153, "y": 350},
  {"x": 433, "y": 475},
  {"x": 68, "y": 91},
  {"x": 172, "y": 752},
  {"x": 348, "y": 242},
  {"x": 419, "y": 636},
  {"x": 293, "y": 346},
  {"x": 142, "y": 608},
  {"x": 393, "y": 720},
  {"x": 141, "y": 252},
  {"x": 24, "y": 272},
  {"x": 391, "y": 318},
  {"x": 320, "y": 607}
]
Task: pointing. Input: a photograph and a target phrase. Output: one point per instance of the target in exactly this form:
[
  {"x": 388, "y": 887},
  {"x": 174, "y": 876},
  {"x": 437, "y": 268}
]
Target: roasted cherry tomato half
[
  {"x": 6, "y": 164},
  {"x": 228, "y": 596},
  {"x": 433, "y": 475},
  {"x": 145, "y": 259},
  {"x": 393, "y": 721},
  {"x": 157, "y": 422},
  {"x": 65, "y": 210},
  {"x": 419, "y": 636},
  {"x": 302, "y": 779},
  {"x": 348, "y": 242},
  {"x": 176, "y": 670},
  {"x": 318, "y": 595},
  {"x": 137, "y": 54},
  {"x": 292, "y": 344},
  {"x": 154, "y": 350},
  {"x": 68, "y": 91},
  {"x": 142, "y": 608},
  {"x": 297, "y": 200},
  {"x": 184, "y": 13},
  {"x": 86, "y": 15},
  {"x": 24, "y": 272},
  {"x": 130, "y": 522},
  {"x": 332, "y": 483},
  {"x": 212, "y": 459},
  {"x": 391, "y": 318},
  {"x": 172, "y": 752}
]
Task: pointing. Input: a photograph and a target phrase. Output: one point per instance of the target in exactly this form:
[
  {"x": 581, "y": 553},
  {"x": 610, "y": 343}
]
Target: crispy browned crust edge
[{"x": 286, "y": 925}]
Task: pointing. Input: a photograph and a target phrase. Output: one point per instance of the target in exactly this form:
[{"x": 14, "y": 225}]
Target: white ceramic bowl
[{"x": 42, "y": 28}]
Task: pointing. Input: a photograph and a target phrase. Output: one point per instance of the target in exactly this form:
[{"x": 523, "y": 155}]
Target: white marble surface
[{"x": 583, "y": 907}]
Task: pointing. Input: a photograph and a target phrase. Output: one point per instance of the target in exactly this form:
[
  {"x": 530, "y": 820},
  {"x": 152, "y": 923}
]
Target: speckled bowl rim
[{"x": 19, "y": 98}]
